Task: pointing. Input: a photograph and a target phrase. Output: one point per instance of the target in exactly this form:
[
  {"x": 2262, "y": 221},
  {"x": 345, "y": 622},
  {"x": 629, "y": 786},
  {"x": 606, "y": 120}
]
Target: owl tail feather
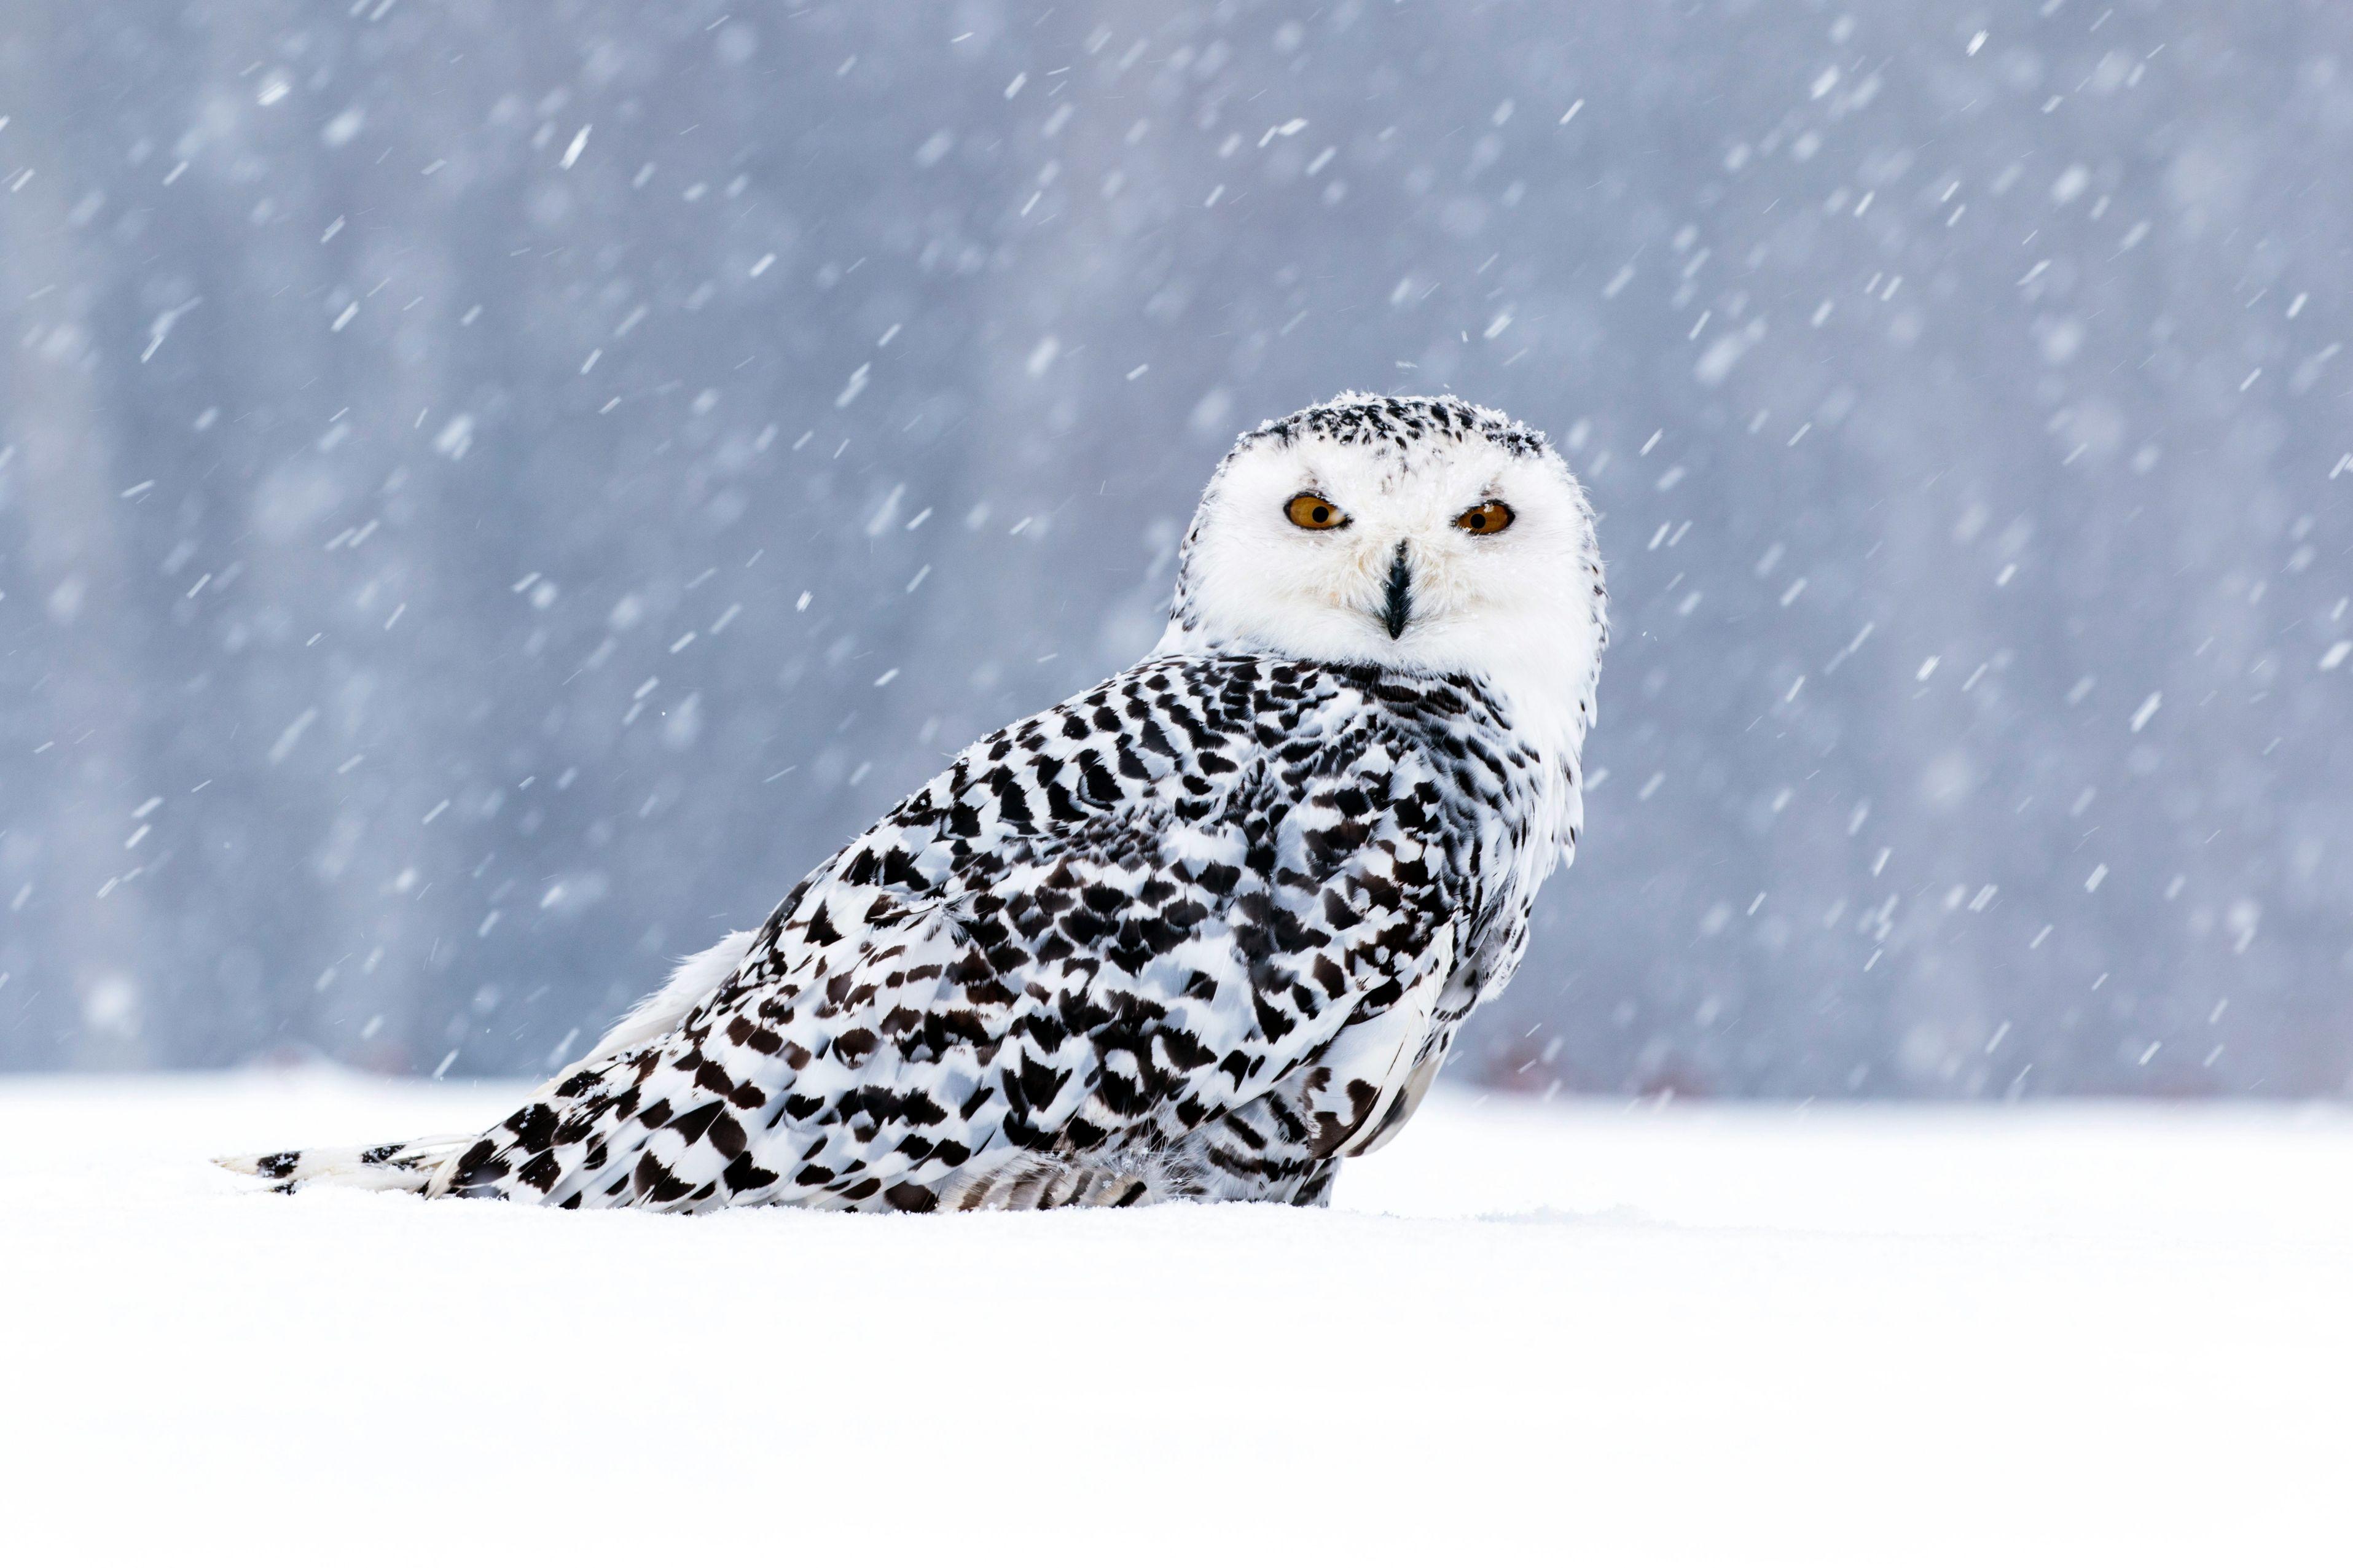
[
  {"x": 411, "y": 1165},
  {"x": 405, "y": 1167}
]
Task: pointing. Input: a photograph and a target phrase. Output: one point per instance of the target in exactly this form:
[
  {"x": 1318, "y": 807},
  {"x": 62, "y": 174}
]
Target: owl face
[{"x": 1421, "y": 533}]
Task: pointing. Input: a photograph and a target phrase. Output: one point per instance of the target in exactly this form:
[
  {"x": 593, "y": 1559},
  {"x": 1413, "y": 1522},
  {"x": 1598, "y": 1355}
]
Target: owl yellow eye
[
  {"x": 1313, "y": 511},
  {"x": 1487, "y": 517}
]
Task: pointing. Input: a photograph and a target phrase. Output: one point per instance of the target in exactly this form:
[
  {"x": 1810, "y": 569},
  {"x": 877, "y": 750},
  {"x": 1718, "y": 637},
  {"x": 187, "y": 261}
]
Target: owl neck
[{"x": 1545, "y": 698}]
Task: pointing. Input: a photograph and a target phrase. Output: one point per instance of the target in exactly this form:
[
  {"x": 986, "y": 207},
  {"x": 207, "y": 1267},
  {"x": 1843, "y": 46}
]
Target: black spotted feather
[{"x": 1196, "y": 932}]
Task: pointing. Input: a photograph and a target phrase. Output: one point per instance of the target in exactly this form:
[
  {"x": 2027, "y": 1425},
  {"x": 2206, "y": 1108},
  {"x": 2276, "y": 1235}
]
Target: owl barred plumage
[{"x": 1200, "y": 932}]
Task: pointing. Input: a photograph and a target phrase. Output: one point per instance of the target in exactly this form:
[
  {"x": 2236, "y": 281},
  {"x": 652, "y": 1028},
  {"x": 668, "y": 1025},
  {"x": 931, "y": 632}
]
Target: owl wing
[{"x": 1099, "y": 932}]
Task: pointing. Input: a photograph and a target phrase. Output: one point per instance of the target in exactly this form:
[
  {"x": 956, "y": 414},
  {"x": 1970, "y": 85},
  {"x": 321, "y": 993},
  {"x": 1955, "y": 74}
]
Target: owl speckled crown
[{"x": 1371, "y": 419}]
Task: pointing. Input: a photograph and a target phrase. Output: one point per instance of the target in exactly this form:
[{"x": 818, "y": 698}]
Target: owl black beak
[{"x": 1398, "y": 607}]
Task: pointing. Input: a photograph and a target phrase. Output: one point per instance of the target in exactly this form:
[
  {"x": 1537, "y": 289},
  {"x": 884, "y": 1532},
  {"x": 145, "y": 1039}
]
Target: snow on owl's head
[{"x": 1423, "y": 534}]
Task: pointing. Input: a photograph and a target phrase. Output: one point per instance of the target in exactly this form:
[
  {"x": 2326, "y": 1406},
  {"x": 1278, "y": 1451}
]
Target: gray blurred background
[{"x": 490, "y": 494}]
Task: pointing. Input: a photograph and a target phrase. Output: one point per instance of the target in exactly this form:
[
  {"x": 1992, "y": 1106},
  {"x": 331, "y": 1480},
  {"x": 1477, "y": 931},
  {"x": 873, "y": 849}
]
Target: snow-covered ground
[{"x": 1581, "y": 1333}]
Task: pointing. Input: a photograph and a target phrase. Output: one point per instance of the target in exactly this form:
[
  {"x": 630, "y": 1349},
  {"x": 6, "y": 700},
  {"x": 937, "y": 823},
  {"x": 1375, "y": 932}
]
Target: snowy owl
[{"x": 1196, "y": 932}]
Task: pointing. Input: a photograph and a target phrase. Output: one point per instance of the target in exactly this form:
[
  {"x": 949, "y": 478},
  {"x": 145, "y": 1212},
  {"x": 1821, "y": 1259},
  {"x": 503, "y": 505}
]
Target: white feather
[{"x": 696, "y": 977}]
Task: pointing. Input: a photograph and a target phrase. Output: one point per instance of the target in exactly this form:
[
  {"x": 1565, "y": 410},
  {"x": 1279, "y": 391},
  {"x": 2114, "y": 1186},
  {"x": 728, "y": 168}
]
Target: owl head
[{"x": 1419, "y": 533}]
